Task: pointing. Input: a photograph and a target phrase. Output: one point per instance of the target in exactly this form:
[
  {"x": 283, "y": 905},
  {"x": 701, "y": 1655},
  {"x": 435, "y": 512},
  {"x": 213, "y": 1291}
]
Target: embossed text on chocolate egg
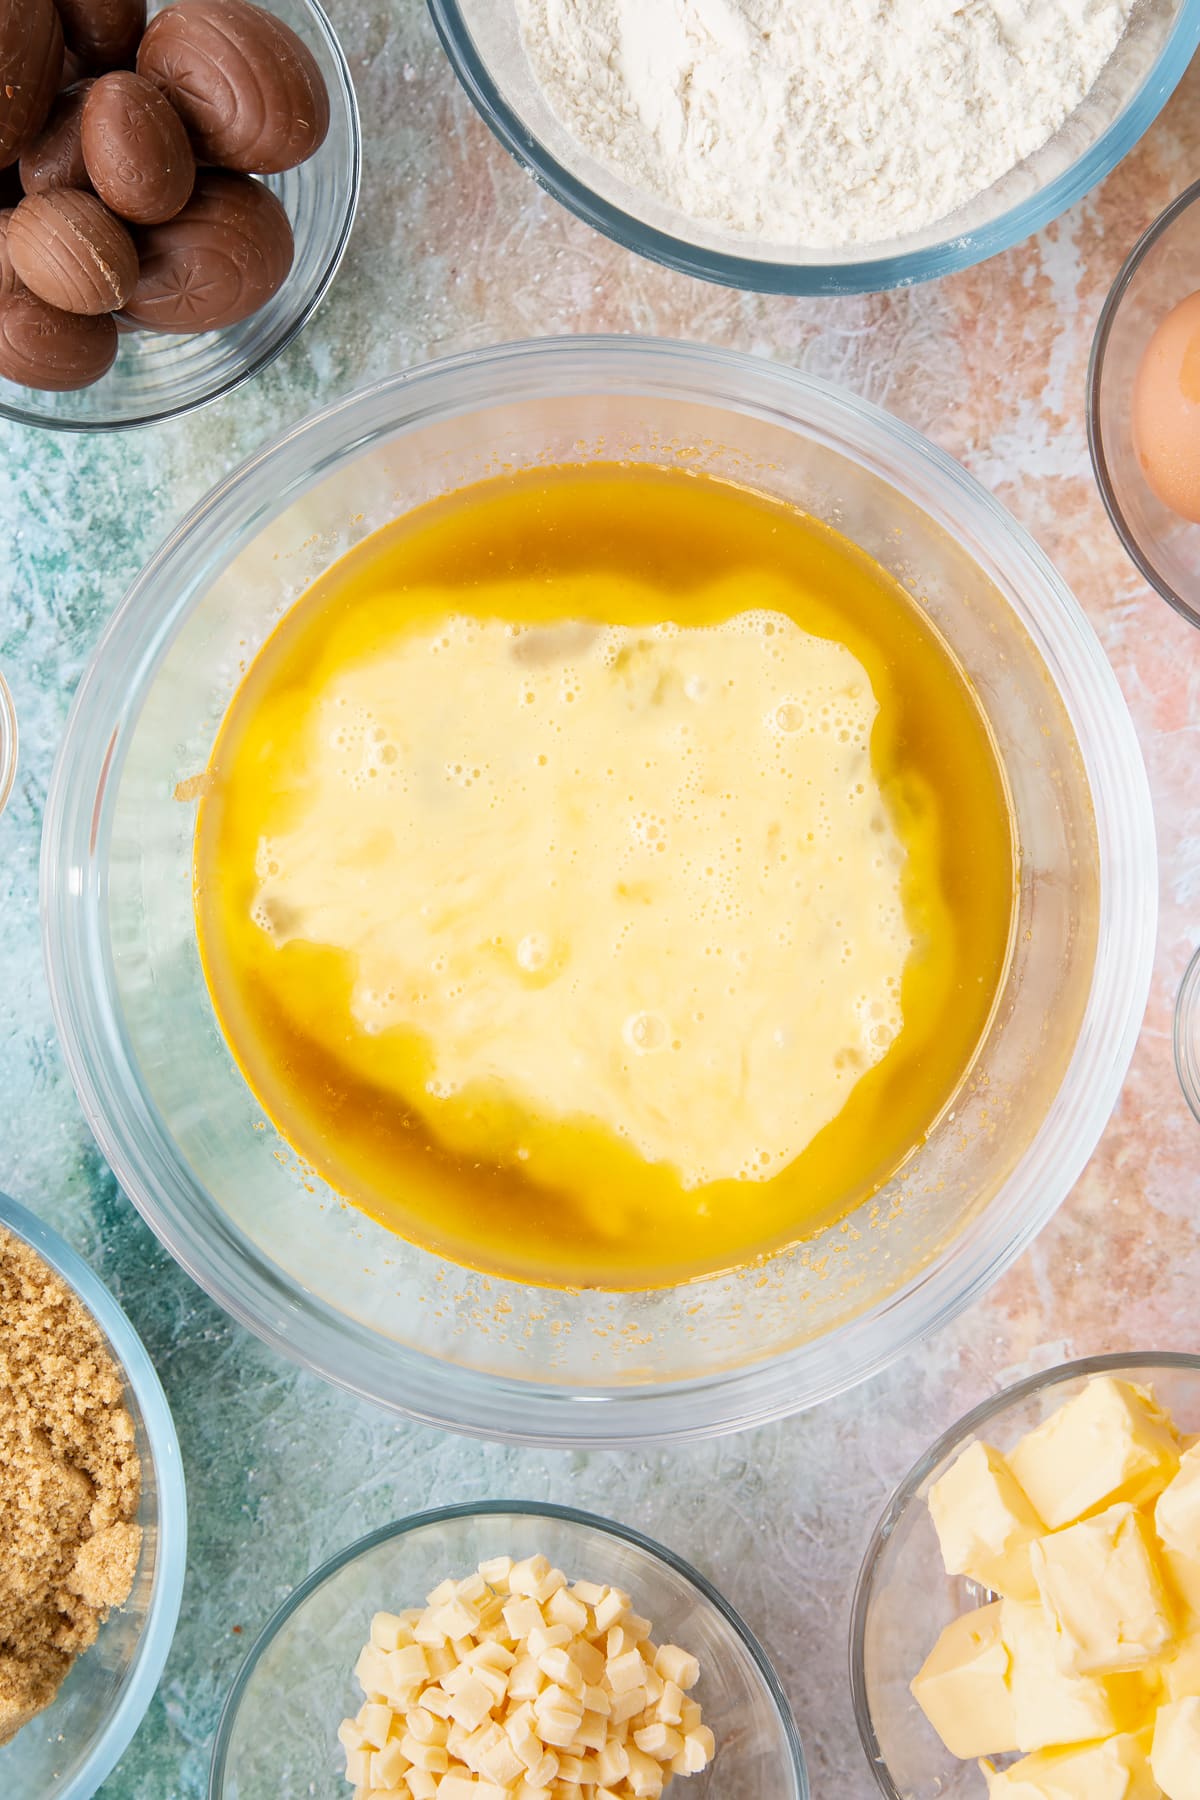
[
  {"x": 54, "y": 158},
  {"x": 104, "y": 34},
  {"x": 217, "y": 261},
  {"x": 31, "y": 57},
  {"x": 135, "y": 149},
  {"x": 70, "y": 251},
  {"x": 247, "y": 88},
  {"x": 41, "y": 347}
]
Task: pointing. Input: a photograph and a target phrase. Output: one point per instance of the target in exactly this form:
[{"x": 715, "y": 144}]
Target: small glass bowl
[
  {"x": 482, "y": 38},
  {"x": 278, "y": 1730},
  {"x": 1162, "y": 269},
  {"x": 158, "y": 375},
  {"x": 1187, "y": 1035},
  {"x": 905, "y": 1598},
  {"x": 68, "y": 1750},
  {"x": 8, "y": 743}
]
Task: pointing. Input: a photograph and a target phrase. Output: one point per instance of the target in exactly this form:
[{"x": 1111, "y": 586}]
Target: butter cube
[
  {"x": 985, "y": 1523},
  {"x": 1112, "y": 1442},
  {"x": 1050, "y": 1706},
  {"x": 1180, "y": 1673},
  {"x": 1175, "y": 1754},
  {"x": 963, "y": 1687},
  {"x": 1182, "y": 1576},
  {"x": 1100, "y": 1582},
  {"x": 1177, "y": 1515},
  {"x": 1118, "y": 1768}
]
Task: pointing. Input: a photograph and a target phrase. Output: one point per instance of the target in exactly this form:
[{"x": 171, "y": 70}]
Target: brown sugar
[{"x": 70, "y": 1482}]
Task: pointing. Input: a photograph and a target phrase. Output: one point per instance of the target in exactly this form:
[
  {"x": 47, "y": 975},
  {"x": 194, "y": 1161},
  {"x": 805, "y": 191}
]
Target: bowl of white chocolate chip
[
  {"x": 1027, "y": 1622},
  {"x": 507, "y": 1651}
]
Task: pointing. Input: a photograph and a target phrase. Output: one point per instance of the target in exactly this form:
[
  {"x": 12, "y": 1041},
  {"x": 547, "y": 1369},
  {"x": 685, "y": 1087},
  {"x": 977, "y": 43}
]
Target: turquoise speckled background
[{"x": 455, "y": 248}]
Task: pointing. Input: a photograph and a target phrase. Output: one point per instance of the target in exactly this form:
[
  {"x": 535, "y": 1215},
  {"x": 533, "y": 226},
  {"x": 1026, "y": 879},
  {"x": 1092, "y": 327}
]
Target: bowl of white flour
[{"x": 808, "y": 146}]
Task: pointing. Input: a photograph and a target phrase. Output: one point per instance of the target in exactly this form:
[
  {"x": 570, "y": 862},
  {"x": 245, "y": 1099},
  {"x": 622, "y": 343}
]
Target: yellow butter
[
  {"x": 1182, "y": 1575},
  {"x": 1112, "y": 1442},
  {"x": 1050, "y": 1705},
  {"x": 1175, "y": 1754},
  {"x": 1177, "y": 1515},
  {"x": 1179, "y": 1673},
  {"x": 1100, "y": 1584},
  {"x": 963, "y": 1687},
  {"x": 1117, "y": 1768},
  {"x": 985, "y": 1523}
]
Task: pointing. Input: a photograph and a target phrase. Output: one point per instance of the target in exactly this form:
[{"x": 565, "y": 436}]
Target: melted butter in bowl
[{"x": 604, "y": 876}]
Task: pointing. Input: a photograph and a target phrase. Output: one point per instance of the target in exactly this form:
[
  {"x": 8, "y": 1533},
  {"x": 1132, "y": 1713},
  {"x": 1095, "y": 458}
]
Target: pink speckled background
[{"x": 455, "y": 247}]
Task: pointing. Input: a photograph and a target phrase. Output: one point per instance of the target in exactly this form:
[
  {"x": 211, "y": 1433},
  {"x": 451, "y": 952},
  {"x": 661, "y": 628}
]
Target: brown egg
[
  {"x": 104, "y": 34},
  {"x": 1166, "y": 410},
  {"x": 54, "y": 158},
  {"x": 136, "y": 149},
  {"x": 10, "y": 281},
  {"x": 70, "y": 251},
  {"x": 31, "y": 57},
  {"x": 217, "y": 261},
  {"x": 41, "y": 347},
  {"x": 247, "y": 88}
]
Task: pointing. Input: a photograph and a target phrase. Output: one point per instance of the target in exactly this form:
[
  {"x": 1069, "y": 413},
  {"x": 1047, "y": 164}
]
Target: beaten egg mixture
[{"x": 604, "y": 876}]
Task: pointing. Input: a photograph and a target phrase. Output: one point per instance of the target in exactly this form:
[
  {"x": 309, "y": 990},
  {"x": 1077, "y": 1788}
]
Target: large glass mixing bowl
[
  {"x": 483, "y": 41},
  {"x": 322, "y": 1281}
]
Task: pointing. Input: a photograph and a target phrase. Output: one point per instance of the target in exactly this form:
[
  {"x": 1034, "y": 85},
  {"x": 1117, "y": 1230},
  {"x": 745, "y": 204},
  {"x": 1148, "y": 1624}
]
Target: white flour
[{"x": 816, "y": 122}]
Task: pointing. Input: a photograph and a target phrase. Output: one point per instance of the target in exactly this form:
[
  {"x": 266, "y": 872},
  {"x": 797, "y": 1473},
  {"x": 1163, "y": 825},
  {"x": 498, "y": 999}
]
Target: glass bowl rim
[
  {"x": 155, "y": 414},
  {"x": 158, "y": 1629},
  {"x": 10, "y": 743},
  {"x": 520, "y": 1409},
  {"x": 481, "y": 1509},
  {"x": 871, "y": 274},
  {"x": 1186, "y": 1035},
  {"x": 1095, "y": 431},
  {"x": 905, "y": 1492}
]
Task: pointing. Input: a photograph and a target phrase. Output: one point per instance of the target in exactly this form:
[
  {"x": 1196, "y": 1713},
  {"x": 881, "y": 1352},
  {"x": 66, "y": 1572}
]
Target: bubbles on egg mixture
[
  {"x": 620, "y": 873},
  {"x": 646, "y": 1033}
]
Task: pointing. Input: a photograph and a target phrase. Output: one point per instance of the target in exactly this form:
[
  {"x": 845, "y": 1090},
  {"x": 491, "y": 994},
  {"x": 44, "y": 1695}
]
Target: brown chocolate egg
[
  {"x": 74, "y": 69},
  {"x": 217, "y": 261},
  {"x": 41, "y": 347},
  {"x": 31, "y": 57},
  {"x": 70, "y": 251},
  {"x": 136, "y": 149},
  {"x": 247, "y": 88},
  {"x": 54, "y": 158},
  {"x": 10, "y": 281},
  {"x": 104, "y": 34}
]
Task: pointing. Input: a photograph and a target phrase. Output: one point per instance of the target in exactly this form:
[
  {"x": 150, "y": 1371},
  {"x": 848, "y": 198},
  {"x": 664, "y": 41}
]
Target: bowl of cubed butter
[
  {"x": 1027, "y": 1621},
  {"x": 506, "y": 1651}
]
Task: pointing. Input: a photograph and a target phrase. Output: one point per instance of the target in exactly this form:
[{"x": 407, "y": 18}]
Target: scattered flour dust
[{"x": 817, "y": 122}]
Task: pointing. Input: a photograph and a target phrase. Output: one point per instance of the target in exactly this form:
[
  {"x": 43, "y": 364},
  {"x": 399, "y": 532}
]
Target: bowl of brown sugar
[{"x": 92, "y": 1497}]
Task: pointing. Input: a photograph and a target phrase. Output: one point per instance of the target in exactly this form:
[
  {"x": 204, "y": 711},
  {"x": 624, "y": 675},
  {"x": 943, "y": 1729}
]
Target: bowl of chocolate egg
[
  {"x": 176, "y": 193},
  {"x": 1027, "y": 1617},
  {"x": 1143, "y": 404}
]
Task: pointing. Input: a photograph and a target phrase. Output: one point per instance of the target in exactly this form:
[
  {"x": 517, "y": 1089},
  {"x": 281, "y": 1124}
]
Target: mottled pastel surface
[{"x": 456, "y": 248}]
